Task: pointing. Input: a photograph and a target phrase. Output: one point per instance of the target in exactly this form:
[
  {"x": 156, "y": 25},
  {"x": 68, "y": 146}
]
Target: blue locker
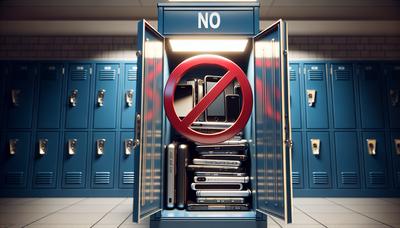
[
  {"x": 75, "y": 148},
  {"x": 78, "y": 92},
  {"x": 374, "y": 153},
  {"x": 14, "y": 159},
  {"x": 347, "y": 160},
  {"x": 46, "y": 157},
  {"x": 3, "y": 75},
  {"x": 371, "y": 99},
  {"x": 297, "y": 163},
  {"x": 316, "y": 96},
  {"x": 126, "y": 174},
  {"x": 20, "y": 93},
  {"x": 103, "y": 158},
  {"x": 392, "y": 74},
  {"x": 295, "y": 100},
  {"x": 50, "y": 92},
  {"x": 319, "y": 160},
  {"x": 106, "y": 95},
  {"x": 395, "y": 151},
  {"x": 343, "y": 96},
  {"x": 129, "y": 97}
]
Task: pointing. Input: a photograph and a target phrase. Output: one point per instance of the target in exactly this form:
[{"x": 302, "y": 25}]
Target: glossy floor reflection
[{"x": 117, "y": 212}]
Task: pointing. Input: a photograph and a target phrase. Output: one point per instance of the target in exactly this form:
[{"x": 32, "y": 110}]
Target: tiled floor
[{"x": 117, "y": 212}]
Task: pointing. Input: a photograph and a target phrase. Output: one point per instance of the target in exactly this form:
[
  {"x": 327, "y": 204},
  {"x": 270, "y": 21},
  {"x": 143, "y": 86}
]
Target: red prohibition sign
[{"x": 233, "y": 72}]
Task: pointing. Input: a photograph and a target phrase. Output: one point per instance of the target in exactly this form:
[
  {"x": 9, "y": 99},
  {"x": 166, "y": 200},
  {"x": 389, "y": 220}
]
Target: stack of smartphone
[{"x": 220, "y": 178}]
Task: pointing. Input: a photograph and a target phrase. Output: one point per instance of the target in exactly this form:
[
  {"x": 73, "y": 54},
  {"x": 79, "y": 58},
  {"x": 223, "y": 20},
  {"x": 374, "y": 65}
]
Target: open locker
[{"x": 267, "y": 132}]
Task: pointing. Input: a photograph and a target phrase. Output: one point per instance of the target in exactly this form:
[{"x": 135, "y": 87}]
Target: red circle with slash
[{"x": 233, "y": 72}]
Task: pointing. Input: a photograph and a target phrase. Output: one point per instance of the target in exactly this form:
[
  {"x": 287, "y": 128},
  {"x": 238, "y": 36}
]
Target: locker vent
[
  {"x": 320, "y": 178},
  {"x": 295, "y": 177},
  {"x": 79, "y": 75},
  {"x": 73, "y": 177},
  {"x": 107, "y": 75},
  {"x": 376, "y": 178},
  {"x": 102, "y": 178},
  {"x": 14, "y": 178},
  {"x": 349, "y": 177},
  {"x": 342, "y": 75},
  {"x": 44, "y": 178},
  {"x": 128, "y": 177},
  {"x": 292, "y": 75},
  {"x": 132, "y": 74},
  {"x": 315, "y": 75}
]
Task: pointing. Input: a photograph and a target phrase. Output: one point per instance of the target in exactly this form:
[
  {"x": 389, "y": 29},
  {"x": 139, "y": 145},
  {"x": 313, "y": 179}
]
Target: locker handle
[
  {"x": 311, "y": 97},
  {"x": 13, "y": 146},
  {"x": 100, "y": 97},
  {"x": 72, "y": 143},
  {"x": 394, "y": 97},
  {"x": 397, "y": 146},
  {"x": 129, "y": 98},
  {"x": 371, "y": 144},
  {"x": 15, "y": 97},
  {"x": 315, "y": 146},
  {"x": 100, "y": 146},
  {"x": 128, "y": 146},
  {"x": 43, "y": 146},
  {"x": 137, "y": 131},
  {"x": 73, "y": 98}
]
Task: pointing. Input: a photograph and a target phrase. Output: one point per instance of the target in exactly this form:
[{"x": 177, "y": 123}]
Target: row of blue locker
[
  {"x": 345, "y": 95},
  {"x": 66, "y": 160},
  {"x": 70, "y": 95}
]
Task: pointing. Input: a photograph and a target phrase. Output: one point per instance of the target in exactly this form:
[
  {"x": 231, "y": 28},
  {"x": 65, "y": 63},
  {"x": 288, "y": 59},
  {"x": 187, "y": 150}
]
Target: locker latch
[
  {"x": 315, "y": 146},
  {"x": 72, "y": 146},
  {"x": 100, "y": 146},
  {"x": 394, "y": 96},
  {"x": 73, "y": 98},
  {"x": 371, "y": 144},
  {"x": 311, "y": 96},
  {"x": 43, "y": 146},
  {"x": 137, "y": 131},
  {"x": 289, "y": 143},
  {"x": 15, "y": 97},
  {"x": 13, "y": 146},
  {"x": 129, "y": 97},
  {"x": 100, "y": 97},
  {"x": 397, "y": 146},
  {"x": 128, "y": 146}
]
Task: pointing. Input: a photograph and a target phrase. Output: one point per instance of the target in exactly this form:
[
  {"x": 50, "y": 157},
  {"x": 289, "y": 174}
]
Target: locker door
[
  {"x": 50, "y": 89},
  {"x": 371, "y": 100},
  {"x": 347, "y": 166},
  {"x": 149, "y": 130},
  {"x": 128, "y": 94},
  {"x": 3, "y": 75},
  {"x": 319, "y": 160},
  {"x": 20, "y": 95},
  {"x": 374, "y": 153},
  {"x": 77, "y": 99},
  {"x": 46, "y": 157},
  {"x": 297, "y": 154},
  {"x": 125, "y": 154},
  {"x": 103, "y": 158},
  {"x": 14, "y": 159},
  {"x": 75, "y": 149},
  {"x": 395, "y": 149},
  {"x": 343, "y": 96},
  {"x": 272, "y": 113},
  {"x": 106, "y": 95},
  {"x": 295, "y": 101},
  {"x": 393, "y": 93},
  {"x": 316, "y": 96}
]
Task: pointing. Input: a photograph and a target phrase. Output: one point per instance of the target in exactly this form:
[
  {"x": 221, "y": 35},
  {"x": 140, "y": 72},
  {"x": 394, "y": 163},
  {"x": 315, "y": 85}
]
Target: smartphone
[
  {"x": 171, "y": 163},
  {"x": 219, "y": 162},
  {"x": 242, "y": 180},
  {"x": 216, "y": 111},
  {"x": 219, "y": 174},
  {"x": 217, "y": 186},
  {"x": 181, "y": 190},
  {"x": 184, "y": 100},
  {"x": 226, "y": 193},
  {"x": 233, "y": 108},
  {"x": 237, "y": 157},
  {"x": 214, "y": 168},
  {"x": 220, "y": 200},
  {"x": 217, "y": 207},
  {"x": 222, "y": 147}
]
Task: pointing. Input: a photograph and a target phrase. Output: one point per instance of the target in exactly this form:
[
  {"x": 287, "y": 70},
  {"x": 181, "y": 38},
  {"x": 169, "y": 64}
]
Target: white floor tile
[
  {"x": 114, "y": 218},
  {"x": 342, "y": 218},
  {"x": 359, "y": 226},
  {"x": 311, "y": 201},
  {"x": 19, "y": 218},
  {"x": 71, "y": 218},
  {"x": 377, "y": 208},
  {"x": 94, "y": 208},
  {"x": 47, "y": 208},
  {"x": 99, "y": 201},
  {"x": 359, "y": 201},
  {"x": 322, "y": 208},
  {"x": 389, "y": 218},
  {"x": 123, "y": 208},
  {"x": 56, "y": 201},
  {"x": 57, "y": 226}
]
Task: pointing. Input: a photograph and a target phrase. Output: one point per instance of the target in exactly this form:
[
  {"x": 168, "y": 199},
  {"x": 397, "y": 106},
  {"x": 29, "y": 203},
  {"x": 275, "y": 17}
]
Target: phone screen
[
  {"x": 216, "y": 111},
  {"x": 232, "y": 107},
  {"x": 183, "y": 101}
]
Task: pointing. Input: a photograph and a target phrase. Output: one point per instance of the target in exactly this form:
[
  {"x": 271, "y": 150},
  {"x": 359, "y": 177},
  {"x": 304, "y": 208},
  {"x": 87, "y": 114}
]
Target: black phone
[
  {"x": 216, "y": 111},
  {"x": 233, "y": 108},
  {"x": 184, "y": 100}
]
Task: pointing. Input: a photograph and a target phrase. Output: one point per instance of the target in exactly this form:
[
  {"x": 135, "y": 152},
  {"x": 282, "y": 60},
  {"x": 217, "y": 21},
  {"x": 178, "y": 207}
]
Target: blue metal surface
[
  {"x": 315, "y": 79},
  {"x": 129, "y": 83},
  {"x": 395, "y": 154},
  {"x": 392, "y": 75},
  {"x": 295, "y": 95},
  {"x": 106, "y": 80},
  {"x": 4, "y": 70},
  {"x": 344, "y": 109},
  {"x": 50, "y": 94},
  {"x": 126, "y": 174},
  {"x": 297, "y": 160},
  {"x": 79, "y": 77},
  {"x": 102, "y": 175}
]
